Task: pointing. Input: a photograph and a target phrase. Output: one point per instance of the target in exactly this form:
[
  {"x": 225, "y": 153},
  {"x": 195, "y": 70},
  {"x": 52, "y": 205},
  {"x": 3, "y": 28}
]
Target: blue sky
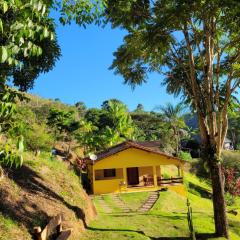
[{"x": 82, "y": 73}]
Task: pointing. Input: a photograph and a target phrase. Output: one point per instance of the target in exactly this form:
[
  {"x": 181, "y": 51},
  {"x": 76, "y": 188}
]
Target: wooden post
[
  {"x": 155, "y": 176},
  {"x": 125, "y": 178},
  {"x": 182, "y": 171},
  {"x": 179, "y": 173},
  {"x": 93, "y": 179}
]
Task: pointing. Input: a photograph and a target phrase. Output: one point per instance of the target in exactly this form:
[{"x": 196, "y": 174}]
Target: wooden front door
[{"x": 133, "y": 176}]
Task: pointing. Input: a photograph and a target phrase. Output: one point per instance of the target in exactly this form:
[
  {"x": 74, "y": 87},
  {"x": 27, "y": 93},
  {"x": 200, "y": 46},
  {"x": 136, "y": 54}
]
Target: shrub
[
  {"x": 185, "y": 156},
  {"x": 229, "y": 198},
  {"x": 37, "y": 138},
  {"x": 166, "y": 176}
]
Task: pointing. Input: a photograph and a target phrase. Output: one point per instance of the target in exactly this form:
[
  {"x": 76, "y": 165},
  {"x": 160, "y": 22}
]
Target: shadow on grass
[
  {"x": 202, "y": 236},
  {"x": 25, "y": 207},
  {"x": 135, "y": 231},
  {"x": 202, "y": 191},
  {"x": 205, "y": 236},
  {"x": 133, "y": 214}
]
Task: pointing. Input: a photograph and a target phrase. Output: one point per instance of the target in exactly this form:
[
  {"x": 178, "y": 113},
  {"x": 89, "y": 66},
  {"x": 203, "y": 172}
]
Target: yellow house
[{"x": 129, "y": 167}]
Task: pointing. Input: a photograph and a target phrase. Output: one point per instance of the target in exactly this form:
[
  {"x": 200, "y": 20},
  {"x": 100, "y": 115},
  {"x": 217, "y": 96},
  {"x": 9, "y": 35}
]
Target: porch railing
[
  {"x": 173, "y": 180},
  {"x": 149, "y": 181}
]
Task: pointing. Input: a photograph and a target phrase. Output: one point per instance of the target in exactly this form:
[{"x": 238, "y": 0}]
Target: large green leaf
[
  {"x": 3, "y": 54},
  {"x": 20, "y": 144}
]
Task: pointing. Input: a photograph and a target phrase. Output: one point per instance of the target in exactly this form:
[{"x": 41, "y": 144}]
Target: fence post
[{"x": 190, "y": 221}]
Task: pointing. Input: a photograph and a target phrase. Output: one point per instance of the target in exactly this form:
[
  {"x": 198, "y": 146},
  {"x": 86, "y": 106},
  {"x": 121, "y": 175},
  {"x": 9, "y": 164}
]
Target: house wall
[{"x": 146, "y": 161}]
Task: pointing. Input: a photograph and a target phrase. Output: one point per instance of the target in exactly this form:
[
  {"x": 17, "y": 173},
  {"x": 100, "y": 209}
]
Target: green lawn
[{"x": 167, "y": 219}]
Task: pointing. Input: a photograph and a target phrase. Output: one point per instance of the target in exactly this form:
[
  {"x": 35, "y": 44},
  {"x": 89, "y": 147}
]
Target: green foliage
[
  {"x": 195, "y": 45},
  {"x": 28, "y": 44},
  {"x": 62, "y": 121},
  {"x": 10, "y": 151},
  {"x": 230, "y": 199},
  {"x": 82, "y": 12},
  {"x": 38, "y": 138},
  {"x": 185, "y": 156},
  {"x": 106, "y": 127},
  {"x": 140, "y": 108},
  {"x": 81, "y": 108},
  {"x": 150, "y": 126},
  {"x": 173, "y": 115},
  {"x": 155, "y": 41},
  {"x": 231, "y": 159}
]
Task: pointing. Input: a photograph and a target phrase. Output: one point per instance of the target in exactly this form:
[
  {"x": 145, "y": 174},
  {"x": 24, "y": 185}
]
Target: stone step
[{"x": 149, "y": 203}]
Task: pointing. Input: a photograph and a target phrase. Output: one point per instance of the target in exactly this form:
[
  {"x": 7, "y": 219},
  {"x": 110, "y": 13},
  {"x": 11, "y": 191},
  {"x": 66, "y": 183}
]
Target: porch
[{"x": 138, "y": 178}]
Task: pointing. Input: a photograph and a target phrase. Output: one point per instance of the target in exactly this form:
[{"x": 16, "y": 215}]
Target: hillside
[
  {"x": 42, "y": 188},
  {"x": 46, "y": 186}
]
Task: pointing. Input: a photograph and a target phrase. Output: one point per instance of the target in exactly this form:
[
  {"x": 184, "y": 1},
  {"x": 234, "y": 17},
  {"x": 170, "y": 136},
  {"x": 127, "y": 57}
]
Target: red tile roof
[{"x": 130, "y": 144}]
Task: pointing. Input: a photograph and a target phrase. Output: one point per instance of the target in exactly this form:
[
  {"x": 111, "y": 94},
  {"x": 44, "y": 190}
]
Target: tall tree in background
[
  {"x": 173, "y": 116},
  {"x": 196, "y": 46},
  {"x": 122, "y": 124},
  {"x": 105, "y": 127}
]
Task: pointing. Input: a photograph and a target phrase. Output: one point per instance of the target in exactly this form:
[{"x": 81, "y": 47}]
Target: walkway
[
  {"x": 149, "y": 203},
  {"x": 104, "y": 205},
  {"x": 120, "y": 203}
]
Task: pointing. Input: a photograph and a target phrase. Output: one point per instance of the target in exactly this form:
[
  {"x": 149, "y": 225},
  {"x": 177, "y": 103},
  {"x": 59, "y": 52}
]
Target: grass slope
[
  {"x": 42, "y": 188},
  {"x": 167, "y": 219}
]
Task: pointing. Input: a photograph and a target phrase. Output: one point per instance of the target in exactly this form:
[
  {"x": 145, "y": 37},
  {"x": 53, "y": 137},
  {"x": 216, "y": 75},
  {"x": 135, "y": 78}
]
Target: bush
[
  {"x": 37, "y": 138},
  {"x": 231, "y": 159},
  {"x": 185, "y": 156},
  {"x": 166, "y": 176},
  {"x": 230, "y": 199}
]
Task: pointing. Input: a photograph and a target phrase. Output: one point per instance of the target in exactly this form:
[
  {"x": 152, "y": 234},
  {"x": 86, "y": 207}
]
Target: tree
[
  {"x": 93, "y": 115},
  {"x": 106, "y": 104},
  {"x": 28, "y": 47},
  {"x": 105, "y": 127},
  {"x": 122, "y": 125},
  {"x": 63, "y": 124},
  {"x": 36, "y": 134},
  {"x": 40, "y": 141},
  {"x": 28, "y": 43},
  {"x": 195, "y": 45},
  {"x": 140, "y": 108},
  {"x": 26, "y": 30},
  {"x": 173, "y": 116},
  {"x": 81, "y": 108}
]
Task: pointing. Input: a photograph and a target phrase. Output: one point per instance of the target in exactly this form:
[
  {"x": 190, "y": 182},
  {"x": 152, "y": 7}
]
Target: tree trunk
[{"x": 219, "y": 206}]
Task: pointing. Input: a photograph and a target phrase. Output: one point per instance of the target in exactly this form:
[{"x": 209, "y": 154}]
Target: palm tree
[{"x": 173, "y": 115}]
